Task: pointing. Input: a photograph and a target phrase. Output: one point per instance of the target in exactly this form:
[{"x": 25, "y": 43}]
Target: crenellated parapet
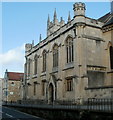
[
  {"x": 28, "y": 47},
  {"x": 79, "y": 9},
  {"x": 54, "y": 25}
]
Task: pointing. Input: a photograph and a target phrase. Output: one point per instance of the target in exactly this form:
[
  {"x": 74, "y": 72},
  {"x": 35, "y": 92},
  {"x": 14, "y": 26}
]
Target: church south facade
[{"x": 74, "y": 61}]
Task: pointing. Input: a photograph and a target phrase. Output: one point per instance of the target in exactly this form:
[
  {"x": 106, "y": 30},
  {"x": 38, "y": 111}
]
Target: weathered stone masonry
[{"x": 74, "y": 61}]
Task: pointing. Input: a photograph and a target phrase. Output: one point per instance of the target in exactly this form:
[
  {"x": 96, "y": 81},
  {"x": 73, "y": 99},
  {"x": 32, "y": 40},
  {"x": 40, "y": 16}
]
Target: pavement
[{"x": 12, "y": 114}]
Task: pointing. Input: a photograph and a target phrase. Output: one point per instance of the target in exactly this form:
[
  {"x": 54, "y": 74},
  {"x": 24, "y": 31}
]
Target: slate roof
[
  {"x": 15, "y": 76},
  {"x": 110, "y": 21},
  {"x": 107, "y": 19},
  {"x": 104, "y": 18}
]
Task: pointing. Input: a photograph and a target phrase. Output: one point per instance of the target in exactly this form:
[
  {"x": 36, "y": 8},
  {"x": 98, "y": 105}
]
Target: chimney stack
[{"x": 112, "y": 7}]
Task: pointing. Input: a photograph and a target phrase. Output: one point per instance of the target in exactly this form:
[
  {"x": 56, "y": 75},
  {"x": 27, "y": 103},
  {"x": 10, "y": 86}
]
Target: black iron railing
[
  {"x": 91, "y": 104},
  {"x": 100, "y": 104}
]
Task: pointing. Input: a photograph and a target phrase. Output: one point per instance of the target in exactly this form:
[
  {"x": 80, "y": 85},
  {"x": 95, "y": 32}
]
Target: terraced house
[
  {"x": 11, "y": 91},
  {"x": 74, "y": 61}
]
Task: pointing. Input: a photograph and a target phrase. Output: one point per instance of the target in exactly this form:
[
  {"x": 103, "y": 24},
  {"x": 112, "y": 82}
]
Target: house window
[
  {"x": 12, "y": 84},
  {"x": 43, "y": 88},
  {"x": 11, "y": 93},
  {"x": 55, "y": 56},
  {"x": 111, "y": 57},
  {"x": 35, "y": 64},
  {"x": 69, "y": 84},
  {"x": 69, "y": 49},
  {"x": 44, "y": 60},
  {"x": 35, "y": 88}
]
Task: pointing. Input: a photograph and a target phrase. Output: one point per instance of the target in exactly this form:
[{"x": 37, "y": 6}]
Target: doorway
[{"x": 51, "y": 93}]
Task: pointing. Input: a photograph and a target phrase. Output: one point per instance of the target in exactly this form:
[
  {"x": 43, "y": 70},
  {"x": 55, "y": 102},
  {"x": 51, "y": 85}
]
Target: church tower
[{"x": 54, "y": 25}]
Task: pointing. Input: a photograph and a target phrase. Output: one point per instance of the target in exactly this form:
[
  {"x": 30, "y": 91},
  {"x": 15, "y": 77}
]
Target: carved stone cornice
[
  {"x": 92, "y": 37},
  {"x": 80, "y": 24},
  {"x": 70, "y": 77},
  {"x": 99, "y": 87},
  {"x": 107, "y": 28},
  {"x": 96, "y": 68},
  {"x": 35, "y": 82}
]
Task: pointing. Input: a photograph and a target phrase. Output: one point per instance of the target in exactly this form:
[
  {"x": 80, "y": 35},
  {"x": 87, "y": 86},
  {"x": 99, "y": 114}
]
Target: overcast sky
[{"x": 23, "y": 22}]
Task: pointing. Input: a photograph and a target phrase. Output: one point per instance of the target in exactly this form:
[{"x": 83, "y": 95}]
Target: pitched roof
[
  {"x": 104, "y": 18},
  {"x": 107, "y": 19},
  {"x": 15, "y": 76},
  {"x": 110, "y": 21}
]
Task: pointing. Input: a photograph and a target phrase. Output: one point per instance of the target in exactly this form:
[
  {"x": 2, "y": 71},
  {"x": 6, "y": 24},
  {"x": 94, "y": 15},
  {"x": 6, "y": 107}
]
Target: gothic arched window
[
  {"x": 69, "y": 49},
  {"x": 55, "y": 56},
  {"x": 111, "y": 57},
  {"x": 44, "y": 54},
  {"x": 35, "y": 64}
]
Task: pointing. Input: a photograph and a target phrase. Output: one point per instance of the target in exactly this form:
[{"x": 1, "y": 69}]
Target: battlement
[
  {"x": 28, "y": 47},
  {"x": 79, "y": 8},
  {"x": 54, "y": 25}
]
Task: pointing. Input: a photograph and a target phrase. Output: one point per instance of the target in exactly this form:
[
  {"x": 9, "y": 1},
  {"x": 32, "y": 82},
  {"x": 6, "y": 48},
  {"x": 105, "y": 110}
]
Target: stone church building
[{"x": 74, "y": 61}]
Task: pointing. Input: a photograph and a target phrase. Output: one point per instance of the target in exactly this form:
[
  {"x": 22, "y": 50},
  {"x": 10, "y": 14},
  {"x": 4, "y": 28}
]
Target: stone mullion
[
  {"x": 29, "y": 68},
  {"x": 72, "y": 52},
  {"x": 34, "y": 66},
  {"x": 67, "y": 54},
  {"x": 45, "y": 61},
  {"x": 57, "y": 58},
  {"x": 53, "y": 60}
]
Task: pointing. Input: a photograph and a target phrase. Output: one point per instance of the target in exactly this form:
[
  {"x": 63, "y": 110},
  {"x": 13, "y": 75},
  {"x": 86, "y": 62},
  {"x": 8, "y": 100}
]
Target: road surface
[{"x": 12, "y": 114}]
